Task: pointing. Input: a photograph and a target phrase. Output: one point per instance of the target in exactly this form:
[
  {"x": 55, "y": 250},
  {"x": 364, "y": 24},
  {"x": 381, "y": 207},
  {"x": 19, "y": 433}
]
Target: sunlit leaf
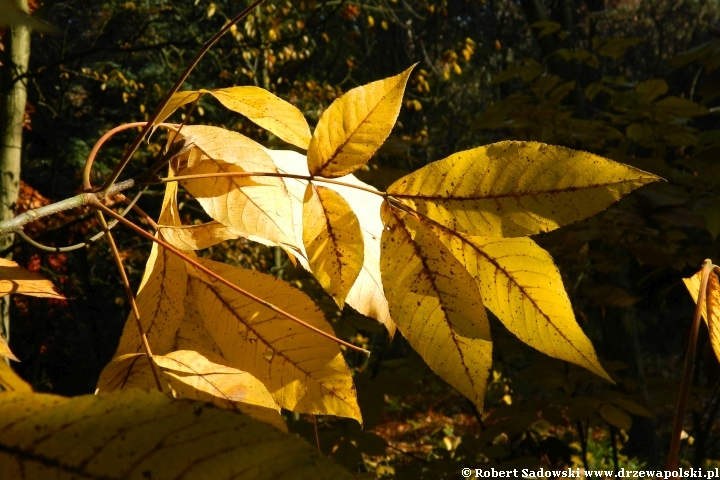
[
  {"x": 191, "y": 375},
  {"x": 355, "y": 125},
  {"x": 11, "y": 381},
  {"x": 713, "y": 323},
  {"x": 176, "y": 101},
  {"x": 15, "y": 279},
  {"x": 333, "y": 241},
  {"x": 436, "y": 304},
  {"x": 521, "y": 285},
  {"x": 270, "y": 112},
  {"x": 255, "y": 207},
  {"x": 366, "y": 295},
  {"x": 196, "y": 237},
  {"x": 139, "y": 435},
  {"x": 303, "y": 371},
  {"x": 161, "y": 294},
  {"x": 511, "y": 189}
]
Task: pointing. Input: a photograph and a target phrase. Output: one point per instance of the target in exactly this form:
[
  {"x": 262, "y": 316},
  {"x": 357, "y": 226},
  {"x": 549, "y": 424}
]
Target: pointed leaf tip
[{"x": 355, "y": 125}]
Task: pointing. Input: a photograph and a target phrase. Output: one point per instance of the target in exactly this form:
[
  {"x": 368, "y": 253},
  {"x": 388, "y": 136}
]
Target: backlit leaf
[
  {"x": 257, "y": 104},
  {"x": 355, "y": 125},
  {"x": 161, "y": 294},
  {"x": 436, "y": 304},
  {"x": 193, "y": 376},
  {"x": 366, "y": 295},
  {"x": 521, "y": 285},
  {"x": 196, "y": 237},
  {"x": 254, "y": 207},
  {"x": 270, "y": 112},
  {"x": 139, "y": 435},
  {"x": 303, "y": 371},
  {"x": 333, "y": 241},
  {"x": 15, "y": 279},
  {"x": 512, "y": 189},
  {"x": 713, "y": 323}
]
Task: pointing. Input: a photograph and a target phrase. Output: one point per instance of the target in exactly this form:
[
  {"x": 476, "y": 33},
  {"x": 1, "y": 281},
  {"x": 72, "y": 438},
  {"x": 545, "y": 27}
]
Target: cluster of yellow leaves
[{"x": 427, "y": 256}]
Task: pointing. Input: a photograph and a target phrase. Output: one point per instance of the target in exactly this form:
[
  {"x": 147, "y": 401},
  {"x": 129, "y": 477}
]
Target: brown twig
[
  {"x": 128, "y": 292},
  {"x": 686, "y": 382},
  {"x": 309, "y": 178},
  {"x": 225, "y": 282},
  {"x": 149, "y": 124}
]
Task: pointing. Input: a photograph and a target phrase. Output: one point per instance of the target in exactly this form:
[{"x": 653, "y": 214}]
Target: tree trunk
[{"x": 13, "y": 94}]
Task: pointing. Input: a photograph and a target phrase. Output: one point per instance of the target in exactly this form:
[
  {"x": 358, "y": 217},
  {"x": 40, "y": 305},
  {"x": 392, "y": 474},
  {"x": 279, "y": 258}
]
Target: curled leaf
[{"x": 713, "y": 305}]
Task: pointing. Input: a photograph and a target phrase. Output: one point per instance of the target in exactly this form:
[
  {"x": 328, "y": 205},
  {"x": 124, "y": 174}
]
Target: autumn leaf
[
  {"x": 161, "y": 293},
  {"x": 5, "y": 350},
  {"x": 268, "y": 111},
  {"x": 254, "y": 207},
  {"x": 521, "y": 285},
  {"x": 137, "y": 434},
  {"x": 354, "y": 126},
  {"x": 15, "y": 279},
  {"x": 191, "y": 375},
  {"x": 304, "y": 372},
  {"x": 11, "y": 381},
  {"x": 257, "y": 104},
  {"x": 713, "y": 305},
  {"x": 366, "y": 295},
  {"x": 196, "y": 237},
  {"x": 512, "y": 189},
  {"x": 333, "y": 240},
  {"x": 436, "y": 304}
]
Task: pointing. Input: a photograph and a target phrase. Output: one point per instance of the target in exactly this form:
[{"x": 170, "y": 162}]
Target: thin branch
[
  {"x": 685, "y": 384},
  {"x": 128, "y": 292},
  {"x": 225, "y": 282},
  {"x": 193, "y": 63},
  {"x": 87, "y": 242},
  {"x": 309, "y": 178}
]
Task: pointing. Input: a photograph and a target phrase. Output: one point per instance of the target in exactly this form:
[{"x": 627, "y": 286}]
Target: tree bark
[{"x": 13, "y": 95}]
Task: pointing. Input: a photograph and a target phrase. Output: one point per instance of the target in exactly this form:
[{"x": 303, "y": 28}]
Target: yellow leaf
[
  {"x": 11, "y": 381},
  {"x": 512, "y": 189},
  {"x": 161, "y": 293},
  {"x": 193, "y": 376},
  {"x": 5, "y": 351},
  {"x": 436, "y": 304},
  {"x": 268, "y": 111},
  {"x": 615, "y": 416},
  {"x": 135, "y": 434},
  {"x": 521, "y": 285},
  {"x": 355, "y": 125},
  {"x": 254, "y": 207},
  {"x": 303, "y": 371},
  {"x": 366, "y": 295},
  {"x": 131, "y": 370},
  {"x": 713, "y": 323},
  {"x": 176, "y": 101},
  {"x": 196, "y": 237},
  {"x": 15, "y": 279},
  {"x": 333, "y": 241}
]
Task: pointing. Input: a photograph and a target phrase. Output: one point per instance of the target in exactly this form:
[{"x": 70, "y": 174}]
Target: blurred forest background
[{"x": 637, "y": 81}]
